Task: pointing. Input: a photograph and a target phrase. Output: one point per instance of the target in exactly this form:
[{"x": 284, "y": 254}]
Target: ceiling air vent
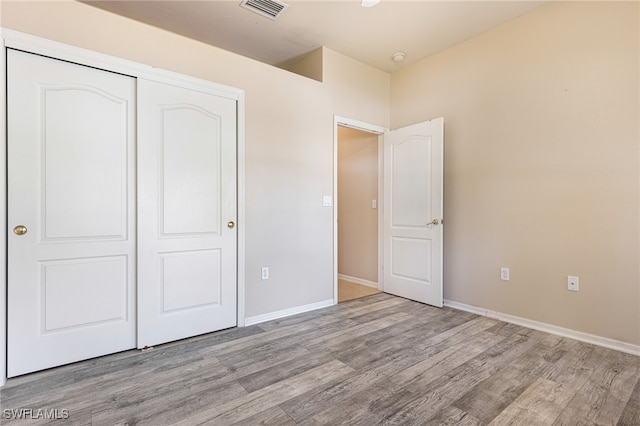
[{"x": 268, "y": 8}]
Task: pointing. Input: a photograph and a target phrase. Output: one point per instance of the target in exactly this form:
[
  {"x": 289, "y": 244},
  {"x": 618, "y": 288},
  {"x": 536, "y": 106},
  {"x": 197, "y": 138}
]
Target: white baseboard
[
  {"x": 358, "y": 280},
  {"x": 287, "y": 312},
  {"x": 548, "y": 328}
]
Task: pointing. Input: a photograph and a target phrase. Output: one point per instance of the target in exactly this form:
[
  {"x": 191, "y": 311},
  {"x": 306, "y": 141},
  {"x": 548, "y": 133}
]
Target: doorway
[
  {"x": 358, "y": 154},
  {"x": 410, "y": 194}
]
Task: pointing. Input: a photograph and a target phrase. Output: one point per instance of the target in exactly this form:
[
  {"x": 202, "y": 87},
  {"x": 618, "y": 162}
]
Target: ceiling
[{"x": 371, "y": 35}]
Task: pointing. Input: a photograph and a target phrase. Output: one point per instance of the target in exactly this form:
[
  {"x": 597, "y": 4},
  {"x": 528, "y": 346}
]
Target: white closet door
[
  {"x": 187, "y": 213},
  {"x": 71, "y": 212}
]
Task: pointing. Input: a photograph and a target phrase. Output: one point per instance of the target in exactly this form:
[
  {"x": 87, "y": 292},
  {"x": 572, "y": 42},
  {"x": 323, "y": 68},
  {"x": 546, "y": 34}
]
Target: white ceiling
[{"x": 371, "y": 35}]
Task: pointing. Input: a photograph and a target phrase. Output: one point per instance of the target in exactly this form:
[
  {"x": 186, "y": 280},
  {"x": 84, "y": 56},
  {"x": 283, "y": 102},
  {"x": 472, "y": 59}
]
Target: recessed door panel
[
  {"x": 411, "y": 259},
  {"x": 190, "y": 142},
  {"x": 190, "y": 280},
  {"x": 411, "y": 191},
  {"x": 101, "y": 283},
  {"x": 71, "y": 200},
  {"x": 84, "y": 172}
]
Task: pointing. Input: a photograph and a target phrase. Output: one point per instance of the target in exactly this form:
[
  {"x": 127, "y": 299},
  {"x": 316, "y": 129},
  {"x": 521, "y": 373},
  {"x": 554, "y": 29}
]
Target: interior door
[
  {"x": 71, "y": 212},
  {"x": 413, "y": 203},
  {"x": 186, "y": 213}
]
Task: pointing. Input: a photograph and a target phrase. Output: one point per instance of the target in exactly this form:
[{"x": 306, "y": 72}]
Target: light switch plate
[
  {"x": 327, "y": 201},
  {"x": 504, "y": 274},
  {"x": 573, "y": 283}
]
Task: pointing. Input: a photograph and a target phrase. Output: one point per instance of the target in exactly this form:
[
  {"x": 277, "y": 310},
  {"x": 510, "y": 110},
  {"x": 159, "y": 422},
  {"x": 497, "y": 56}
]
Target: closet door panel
[
  {"x": 187, "y": 212},
  {"x": 71, "y": 212}
]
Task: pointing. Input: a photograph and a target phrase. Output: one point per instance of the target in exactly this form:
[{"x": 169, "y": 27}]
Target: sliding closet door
[
  {"x": 186, "y": 213},
  {"x": 71, "y": 212}
]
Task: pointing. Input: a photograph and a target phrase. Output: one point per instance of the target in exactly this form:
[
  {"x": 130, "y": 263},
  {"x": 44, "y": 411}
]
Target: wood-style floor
[{"x": 375, "y": 360}]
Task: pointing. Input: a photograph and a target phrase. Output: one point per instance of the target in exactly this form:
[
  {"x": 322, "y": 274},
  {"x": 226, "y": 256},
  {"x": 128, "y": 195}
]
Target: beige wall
[
  {"x": 357, "y": 220},
  {"x": 289, "y": 137},
  {"x": 357, "y": 91},
  {"x": 542, "y": 135},
  {"x": 309, "y": 65}
]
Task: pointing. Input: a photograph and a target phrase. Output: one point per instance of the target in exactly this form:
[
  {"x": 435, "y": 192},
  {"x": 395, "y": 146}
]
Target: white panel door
[
  {"x": 413, "y": 207},
  {"x": 186, "y": 213},
  {"x": 71, "y": 212}
]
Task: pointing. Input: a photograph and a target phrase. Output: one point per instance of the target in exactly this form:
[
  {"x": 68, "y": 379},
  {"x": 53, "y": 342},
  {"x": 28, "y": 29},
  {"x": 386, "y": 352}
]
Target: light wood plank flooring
[
  {"x": 375, "y": 360},
  {"x": 348, "y": 290}
]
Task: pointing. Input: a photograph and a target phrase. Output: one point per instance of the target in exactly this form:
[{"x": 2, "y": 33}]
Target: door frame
[
  {"x": 53, "y": 49},
  {"x": 368, "y": 128}
]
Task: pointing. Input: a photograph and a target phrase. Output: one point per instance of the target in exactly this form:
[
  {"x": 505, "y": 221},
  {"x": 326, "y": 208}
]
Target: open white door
[
  {"x": 187, "y": 237},
  {"x": 413, "y": 211},
  {"x": 71, "y": 212}
]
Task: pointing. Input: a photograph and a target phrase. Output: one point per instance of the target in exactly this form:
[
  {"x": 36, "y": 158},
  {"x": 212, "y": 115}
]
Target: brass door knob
[
  {"x": 20, "y": 230},
  {"x": 434, "y": 222},
  {"x": 231, "y": 224}
]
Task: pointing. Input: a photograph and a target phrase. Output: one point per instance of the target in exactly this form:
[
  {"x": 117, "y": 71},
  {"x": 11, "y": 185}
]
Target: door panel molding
[
  {"x": 176, "y": 187},
  {"x": 104, "y": 150},
  {"x": 111, "y": 305},
  {"x": 202, "y": 265}
]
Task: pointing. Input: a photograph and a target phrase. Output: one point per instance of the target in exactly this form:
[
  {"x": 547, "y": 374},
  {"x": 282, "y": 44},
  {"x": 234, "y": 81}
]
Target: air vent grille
[{"x": 268, "y": 8}]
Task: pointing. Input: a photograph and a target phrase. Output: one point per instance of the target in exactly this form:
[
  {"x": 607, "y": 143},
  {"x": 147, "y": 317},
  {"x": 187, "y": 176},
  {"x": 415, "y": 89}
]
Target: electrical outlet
[
  {"x": 504, "y": 274},
  {"x": 573, "y": 283},
  {"x": 265, "y": 272}
]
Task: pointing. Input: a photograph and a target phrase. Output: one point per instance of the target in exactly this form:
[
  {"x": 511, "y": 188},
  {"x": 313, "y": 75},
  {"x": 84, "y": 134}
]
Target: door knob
[
  {"x": 434, "y": 222},
  {"x": 20, "y": 230},
  {"x": 231, "y": 224}
]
